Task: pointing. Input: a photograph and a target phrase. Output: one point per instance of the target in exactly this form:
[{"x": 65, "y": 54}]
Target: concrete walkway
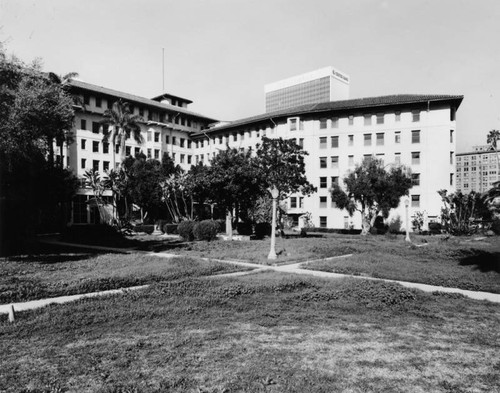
[{"x": 295, "y": 268}]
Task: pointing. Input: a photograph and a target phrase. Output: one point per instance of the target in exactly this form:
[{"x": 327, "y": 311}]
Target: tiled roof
[
  {"x": 136, "y": 99},
  {"x": 344, "y": 105}
]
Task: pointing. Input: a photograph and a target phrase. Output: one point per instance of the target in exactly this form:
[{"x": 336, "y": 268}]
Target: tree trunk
[
  {"x": 366, "y": 225},
  {"x": 229, "y": 225}
]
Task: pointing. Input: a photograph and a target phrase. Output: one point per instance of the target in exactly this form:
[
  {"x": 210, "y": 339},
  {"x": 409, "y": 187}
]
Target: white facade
[{"x": 419, "y": 136}]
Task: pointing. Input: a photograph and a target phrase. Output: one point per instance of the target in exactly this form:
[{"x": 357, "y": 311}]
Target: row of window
[
  {"x": 140, "y": 110},
  {"x": 367, "y": 139},
  {"x": 334, "y": 160}
]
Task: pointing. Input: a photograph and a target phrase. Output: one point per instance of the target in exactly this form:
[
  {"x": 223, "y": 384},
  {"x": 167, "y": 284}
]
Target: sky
[{"x": 221, "y": 53}]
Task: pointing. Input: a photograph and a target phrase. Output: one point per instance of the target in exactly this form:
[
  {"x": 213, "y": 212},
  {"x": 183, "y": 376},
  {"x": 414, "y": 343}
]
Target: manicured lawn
[
  {"x": 457, "y": 262},
  {"x": 460, "y": 262},
  {"x": 265, "y": 332},
  {"x": 65, "y": 273}
]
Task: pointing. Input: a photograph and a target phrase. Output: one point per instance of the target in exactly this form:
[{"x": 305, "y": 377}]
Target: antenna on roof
[{"x": 163, "y": 70}]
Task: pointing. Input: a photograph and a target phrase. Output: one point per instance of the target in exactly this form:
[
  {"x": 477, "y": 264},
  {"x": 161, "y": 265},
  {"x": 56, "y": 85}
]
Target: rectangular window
[
  {"x": 105, "y": 147},
  {"x": 182, "y": 142},
  {"x": 322, "y": 182},
  {"x": 98, "y": 102},
  {"x": 292, "y": 123},
  {"x": 335, "y": 180},
  {"x": 451, "y": 136},
  {"x": 128, "y": 151},
  {"x": 451, "y": 157},
  {"x": 351, "y": 120},
  {"x": 157, "y": 137},
  {"x": 322, "y": 123},
  {"x": 95, "y": 146},
  {"x": 189, "y": 158},
  {"x": 322, "y": 222},
  {"x": 322, "y": 142},
  {"x": 301, "y": 142},
  {"x": 350, "y": 160},
  {"x": 415, "y": 158},
  {"x": 380, "y": 139},
  {"x": 137, "y": 151},
  {"x": 235, "y": 137},
  {"x": 105, "y": 166},
  {"x": 381, "y": 156},
  {"x": 380, "y": 118},
  {"x": 350, "y": 139},
  {"x": 397, "y": 137},
  {"x": 451, "y": 179},
  {"x": 157, "y": 154},
  {"x": 335, "y": 122},
  {"x": 148, "y": 155},
  {"x": 322, "y": 162},
  {"x": 182, "y": 158},
  {"x": 167, "y": 139},
  {"x": 415, "y": 136},
  {"x": 368, "y": 120},
  {"x": 415, "y": 116},
  {"x": 301, "y": 202},
  {"x": 95, "y": 127},
  {"x": 189, "y": 143},
  {"x": 149, "y": 136},
  {"x": 397, "y": 158},
  {"x": 293, "y": 202},
  {"x": 83, "y": 124},
  {"x": 83, "y": 144},
  {"x": 335, "y": 162},
  {"x": 368, "y": 139},
  {"x": 415, "y": 201},
  {"x": 117, "y": 149},
  {"x": 334, "y": 141},
  {"x": 397, "y": 116},
  {"x": 86, "y": 99},
  {"x": 83, "y": 162},
  {"x": 323, "y": 201},
  {"x": 95, "y": 165},
  {"x": 415, "y": 179},
  {"x": 174, "y": 140}
]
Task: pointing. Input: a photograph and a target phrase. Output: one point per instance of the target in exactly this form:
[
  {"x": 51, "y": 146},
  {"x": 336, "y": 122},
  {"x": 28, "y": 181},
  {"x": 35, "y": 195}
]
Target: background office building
[
  {"x": 477, "y": 170},
  {"x": 325, "y": 84},
  {"x": 417, "y": 131}
]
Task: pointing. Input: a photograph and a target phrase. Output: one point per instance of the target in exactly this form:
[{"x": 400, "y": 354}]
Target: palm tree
[
  {"x": 121, "y": 125},
  {"x": 492, "y": 140},
  {"x": 66, "y": 135}
]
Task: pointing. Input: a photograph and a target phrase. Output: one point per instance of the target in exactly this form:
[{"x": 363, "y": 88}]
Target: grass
[
  {"x": 63, "y": 273},
  {"x": 460, "y": 262},
  {"x": 264, "y": 332}
]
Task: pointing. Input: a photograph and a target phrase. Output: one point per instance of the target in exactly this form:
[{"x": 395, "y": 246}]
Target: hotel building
[
  {"x": 477, "y": 170},
  {"x": 325, "y": 84},
  {"x": 417, "y": 131},
  {"x": 167, "y": 127}
]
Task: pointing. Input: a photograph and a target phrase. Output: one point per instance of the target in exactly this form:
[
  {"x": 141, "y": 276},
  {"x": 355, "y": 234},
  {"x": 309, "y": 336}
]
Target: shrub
[
  {"x": 221, "y": 224},
  {"x": 380, "y": 227},
  {"x": 205, "y": 230},
  {"x": 149, "y": 229},
  {"x": 244, "y": 228},
  {"x": 495, "y": 226},
  {"x": 262, "y": 229},
  {"x": 170, "y": 229},
  {"x": 185, "y": 229},
  {"x": 435, "y": 228}
]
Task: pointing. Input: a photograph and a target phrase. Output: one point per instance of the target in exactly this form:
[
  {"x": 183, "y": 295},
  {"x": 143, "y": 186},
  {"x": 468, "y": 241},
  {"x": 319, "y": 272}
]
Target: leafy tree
[
  {"x": 372, "y": 191},
  {"x": 34, "y": 111},
  {"x": 98, "y": 186},
  {"x": 234, "y": 180},
  {"x": 119, "y": 125},
  {"x": 492, "y": 198},
  {"x": 281, "y": 162}
]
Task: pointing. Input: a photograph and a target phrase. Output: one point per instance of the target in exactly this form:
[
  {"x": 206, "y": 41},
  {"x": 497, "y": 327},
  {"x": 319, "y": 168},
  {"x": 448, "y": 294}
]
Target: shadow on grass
[
  {"x": 48, "y": 259},
  {"x": 483, "y": 261}
]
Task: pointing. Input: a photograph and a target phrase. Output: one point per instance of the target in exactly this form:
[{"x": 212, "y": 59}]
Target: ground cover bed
[
  {"x": 64, "y": 271},
  {"x": 266, "y": 332}
]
